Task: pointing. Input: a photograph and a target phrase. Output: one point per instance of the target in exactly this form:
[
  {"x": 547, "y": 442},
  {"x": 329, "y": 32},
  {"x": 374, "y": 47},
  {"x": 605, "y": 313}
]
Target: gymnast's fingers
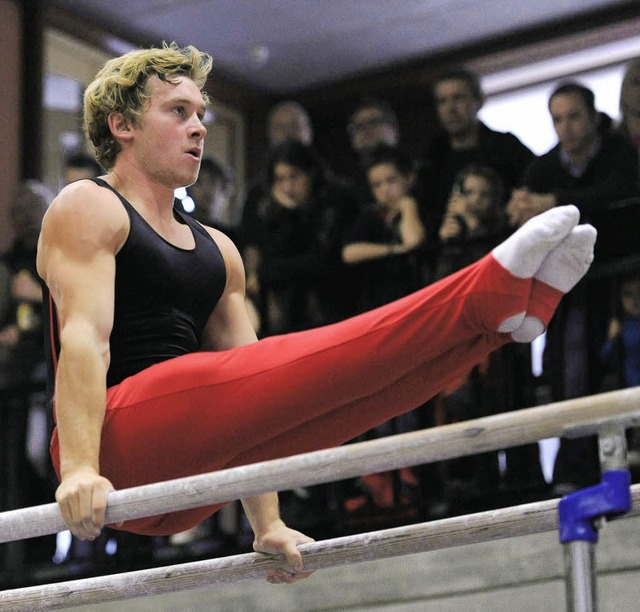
[{"x": 82, "y": 499}]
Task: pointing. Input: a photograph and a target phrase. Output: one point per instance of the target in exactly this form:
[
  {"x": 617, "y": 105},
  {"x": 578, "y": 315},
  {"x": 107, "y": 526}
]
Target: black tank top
[{"x": 163, "y": 296}]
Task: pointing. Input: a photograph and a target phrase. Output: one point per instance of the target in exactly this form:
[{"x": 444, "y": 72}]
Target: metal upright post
[
  {"x": 579, "y": 564},
  {"x": 582, "y": 513}
]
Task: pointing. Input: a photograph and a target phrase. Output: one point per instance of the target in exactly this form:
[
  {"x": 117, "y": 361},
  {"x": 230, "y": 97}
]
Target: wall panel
[{"x": 10, "y": 96}]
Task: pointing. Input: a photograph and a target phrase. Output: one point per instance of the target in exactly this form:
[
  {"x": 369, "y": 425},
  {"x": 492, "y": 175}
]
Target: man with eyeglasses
[{"x": 373, "y": 122}]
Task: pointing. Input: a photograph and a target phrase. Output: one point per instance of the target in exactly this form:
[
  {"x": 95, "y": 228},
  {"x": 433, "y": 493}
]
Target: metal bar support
[{"x": 582, "y": 513}]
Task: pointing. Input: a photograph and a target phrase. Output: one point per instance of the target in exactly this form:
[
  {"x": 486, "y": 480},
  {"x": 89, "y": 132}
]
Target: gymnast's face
[{"x": 167, "y": 144}]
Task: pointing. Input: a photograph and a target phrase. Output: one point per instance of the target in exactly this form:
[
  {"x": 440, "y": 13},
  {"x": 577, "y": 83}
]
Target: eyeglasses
[{"x": 367, "y": 123}]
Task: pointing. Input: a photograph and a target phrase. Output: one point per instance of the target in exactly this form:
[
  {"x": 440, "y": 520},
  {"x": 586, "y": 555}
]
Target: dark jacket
[
  {"x": 611, "y": 176},
  {"x": 501, "y": 151}
]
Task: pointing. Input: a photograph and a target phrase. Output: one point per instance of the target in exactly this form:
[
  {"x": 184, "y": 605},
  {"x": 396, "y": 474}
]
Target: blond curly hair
[{"x": 121, "y": 86}]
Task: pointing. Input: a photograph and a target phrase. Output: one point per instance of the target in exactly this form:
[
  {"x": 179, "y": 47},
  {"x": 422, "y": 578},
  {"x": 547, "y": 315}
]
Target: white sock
[
  {"x": 512, "y": 323},
  {"x": 570, "y": 260},
  {"x": 561, "y": 269},
  {"x": 529, "y": 330},
  {"x": 525, "y": 250}
]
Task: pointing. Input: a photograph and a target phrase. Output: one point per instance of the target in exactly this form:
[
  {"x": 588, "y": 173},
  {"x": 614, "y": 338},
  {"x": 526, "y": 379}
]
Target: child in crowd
[
  {"x": 474, "y": 220},
  {"x": 383, "y": 241},
  {"x": 621, "y": 350}
]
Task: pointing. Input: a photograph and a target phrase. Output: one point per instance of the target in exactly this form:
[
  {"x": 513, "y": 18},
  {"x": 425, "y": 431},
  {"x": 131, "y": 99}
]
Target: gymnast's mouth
[{"x": 195, "y": 152}]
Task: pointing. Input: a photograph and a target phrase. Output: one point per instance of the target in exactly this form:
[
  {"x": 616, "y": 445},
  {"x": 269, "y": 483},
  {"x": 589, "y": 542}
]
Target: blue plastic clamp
[{"x": 577, "y": 511}]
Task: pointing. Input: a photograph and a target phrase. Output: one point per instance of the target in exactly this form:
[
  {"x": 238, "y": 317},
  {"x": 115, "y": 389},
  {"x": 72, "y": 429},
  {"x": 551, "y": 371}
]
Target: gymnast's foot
[
  {"x": 525, "y": 250},
  {"x": 570, "y": 260},
  {"x": 558, "y": 274}
]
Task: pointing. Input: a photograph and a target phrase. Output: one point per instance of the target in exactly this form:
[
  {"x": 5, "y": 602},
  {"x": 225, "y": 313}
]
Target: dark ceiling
[{"x": 283, "y": 45}]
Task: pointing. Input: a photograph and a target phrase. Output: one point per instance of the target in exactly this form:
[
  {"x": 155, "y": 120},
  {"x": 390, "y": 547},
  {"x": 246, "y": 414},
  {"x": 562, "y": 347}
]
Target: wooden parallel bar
[
  {"x": 447, "y": 533},
  {"x": 415, "y": 448}
]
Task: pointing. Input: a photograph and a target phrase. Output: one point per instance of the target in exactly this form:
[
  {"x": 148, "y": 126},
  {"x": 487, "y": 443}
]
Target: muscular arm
[
  {"x": 76, "y": 258},
  {"x": 229, "y": 326}
]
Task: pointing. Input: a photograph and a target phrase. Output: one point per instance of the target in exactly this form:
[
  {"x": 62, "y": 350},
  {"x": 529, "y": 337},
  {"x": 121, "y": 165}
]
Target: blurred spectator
[
  {"x": 386, "y": 234},
  {"x": 292, "y": 246},
  {"x": 622, "y": 346},
  {"x": 464, "y": 139},
  {"x": 211, "y": 195},
  {"x": 629, "y": 125},
  {"x": 80, "y": 165},
  {"x": 474, "y": 220},
  {"x": 288, "y": 120},
  {"x": 620, "y": 353},
  {"x": 5, "y": 294},
  {"x": 589, "y": 167},
  {"x": 372, "y": 122},
  {"x": 25, "y": 431},
  {"x": 21, "y": 334}
]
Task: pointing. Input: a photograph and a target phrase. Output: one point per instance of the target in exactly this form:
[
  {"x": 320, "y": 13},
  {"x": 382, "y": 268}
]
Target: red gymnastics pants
[{"x": 305, "y": 391}]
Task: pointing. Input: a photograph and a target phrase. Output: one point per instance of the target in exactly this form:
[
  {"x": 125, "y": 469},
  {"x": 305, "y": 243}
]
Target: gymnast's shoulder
[{"x": 85, "y": 211}]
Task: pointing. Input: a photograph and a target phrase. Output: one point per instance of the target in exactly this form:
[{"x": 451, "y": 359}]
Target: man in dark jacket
[
  {"x": 592, "y": 168},
  {"x": 464, "y": 139}
]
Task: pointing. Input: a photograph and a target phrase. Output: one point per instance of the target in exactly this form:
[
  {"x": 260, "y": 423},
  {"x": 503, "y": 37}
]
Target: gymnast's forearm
[
  {"x": 80, "y": 409},
  {"x": 262, "y": 512},
  {"x": 80, "y": 401}
]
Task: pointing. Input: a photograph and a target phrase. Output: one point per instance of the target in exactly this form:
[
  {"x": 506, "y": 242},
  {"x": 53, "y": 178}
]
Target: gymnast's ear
[{"x": 119, "y": 126}]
